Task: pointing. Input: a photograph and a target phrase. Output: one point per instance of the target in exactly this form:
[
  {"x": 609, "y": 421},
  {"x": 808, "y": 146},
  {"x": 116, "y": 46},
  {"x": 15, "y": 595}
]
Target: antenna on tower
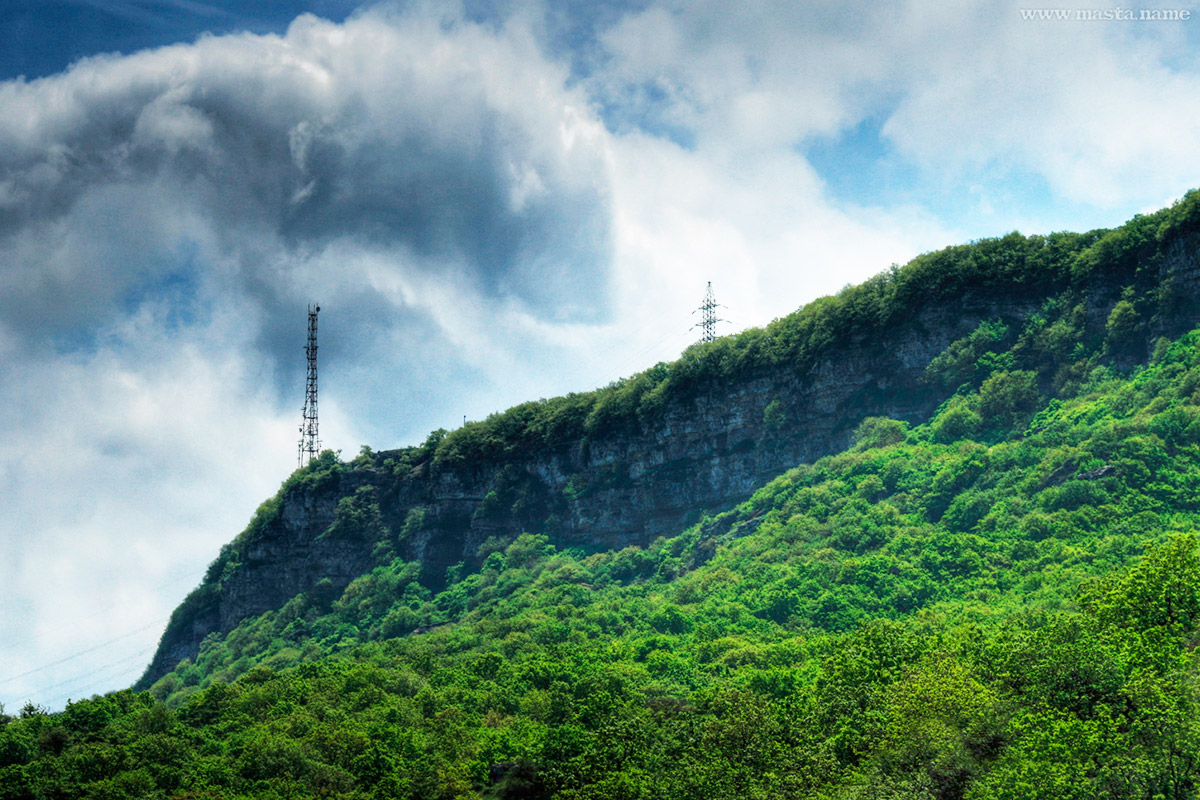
[
  {"x": 310, "y": 445},
  {"x": 708, "y": 316}
]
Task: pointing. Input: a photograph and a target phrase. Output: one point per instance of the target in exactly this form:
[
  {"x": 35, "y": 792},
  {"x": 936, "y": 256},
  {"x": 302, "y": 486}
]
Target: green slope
[
  {"x": 1001, "y": 603},
  {"x": 1104, "y": 298}
]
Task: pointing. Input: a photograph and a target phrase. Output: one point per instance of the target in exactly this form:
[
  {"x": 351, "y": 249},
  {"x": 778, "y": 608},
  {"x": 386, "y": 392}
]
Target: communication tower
[
  {"x": 310, "y": 445},
  {"x": 708, "y": 316}
]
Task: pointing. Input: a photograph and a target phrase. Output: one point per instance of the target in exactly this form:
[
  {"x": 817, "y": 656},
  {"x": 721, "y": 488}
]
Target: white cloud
[
  {"x": 1104, "y": 112},
  {"x": 1093, "y": 107}
]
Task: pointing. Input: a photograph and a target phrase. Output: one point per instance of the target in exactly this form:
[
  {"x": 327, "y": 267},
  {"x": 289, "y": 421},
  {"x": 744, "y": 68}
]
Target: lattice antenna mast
[
  {"x": 708, "y": 316},
  {"x": 310, "y": 445}
]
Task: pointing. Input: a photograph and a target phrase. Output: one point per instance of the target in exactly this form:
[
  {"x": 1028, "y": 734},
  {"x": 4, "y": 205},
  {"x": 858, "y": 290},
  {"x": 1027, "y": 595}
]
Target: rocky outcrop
[{"x": 703, "y": 452}]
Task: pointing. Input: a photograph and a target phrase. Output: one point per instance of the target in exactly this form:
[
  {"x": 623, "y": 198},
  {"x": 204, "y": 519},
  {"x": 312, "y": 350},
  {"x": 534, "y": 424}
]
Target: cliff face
[{"x": 704, "y": 452}]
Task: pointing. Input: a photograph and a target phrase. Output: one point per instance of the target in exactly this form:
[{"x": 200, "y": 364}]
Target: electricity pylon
[{"x": 708, "y": 316}]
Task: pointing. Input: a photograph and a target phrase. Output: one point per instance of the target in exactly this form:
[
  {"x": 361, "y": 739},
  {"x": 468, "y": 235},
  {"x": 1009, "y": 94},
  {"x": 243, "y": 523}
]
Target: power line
[
  {"x": 80, "y": 622},
  {"x": 88, "y": 689},
  {"x": 632, "y": 361},
  {"x": 97, "y": 675},
  {"x": 93, "y": 649}
]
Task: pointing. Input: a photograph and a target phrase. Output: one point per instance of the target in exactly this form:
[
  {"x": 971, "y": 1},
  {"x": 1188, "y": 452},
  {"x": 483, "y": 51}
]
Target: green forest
[{"x": 1000, "y": 602}]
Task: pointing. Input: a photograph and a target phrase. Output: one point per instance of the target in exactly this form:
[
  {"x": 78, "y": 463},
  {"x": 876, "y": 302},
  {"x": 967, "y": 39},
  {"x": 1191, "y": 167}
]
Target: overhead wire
[
  {"x": 629, "y": 361},
  {"x": 134, "y": 668},
  {"x": 127, "y": 634},
  {"x": 85, "y": 652},
  {"x": 79, "y": 621},
  {"x": 97, "y": 671}
]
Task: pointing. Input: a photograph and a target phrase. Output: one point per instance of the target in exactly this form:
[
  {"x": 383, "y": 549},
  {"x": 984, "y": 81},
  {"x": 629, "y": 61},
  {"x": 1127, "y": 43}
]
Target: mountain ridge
[{"x": 646, "y": 456}]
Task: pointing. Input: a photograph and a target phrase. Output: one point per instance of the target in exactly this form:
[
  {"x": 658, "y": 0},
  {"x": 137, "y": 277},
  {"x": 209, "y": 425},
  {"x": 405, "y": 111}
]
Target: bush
[
  {"x": 879, "y": 432},
  {"x": 957, "y": 420}
]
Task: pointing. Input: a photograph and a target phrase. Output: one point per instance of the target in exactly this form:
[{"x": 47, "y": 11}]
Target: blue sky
[
  {"x": 492, "y": 202},
  {"x": 44, "y": 37}
]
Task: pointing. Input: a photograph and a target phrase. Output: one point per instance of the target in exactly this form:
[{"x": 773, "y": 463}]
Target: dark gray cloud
[{"x": 236, "y": 166}]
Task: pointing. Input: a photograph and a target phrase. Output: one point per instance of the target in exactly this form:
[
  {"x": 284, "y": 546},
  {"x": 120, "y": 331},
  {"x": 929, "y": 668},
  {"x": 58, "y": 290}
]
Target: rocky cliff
[{"x": 703, "y": 449}]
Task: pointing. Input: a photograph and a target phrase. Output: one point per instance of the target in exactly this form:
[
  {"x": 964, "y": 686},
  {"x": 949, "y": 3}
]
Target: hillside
[
  {"x": 645, "y": 457},
  {"x": 946, "y": 550}
]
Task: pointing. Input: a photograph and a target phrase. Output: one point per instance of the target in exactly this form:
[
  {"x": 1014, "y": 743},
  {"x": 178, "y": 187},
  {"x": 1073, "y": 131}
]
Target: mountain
[
  {"x": 647, "y": 456},
  {"x": 930, "y": 538}
]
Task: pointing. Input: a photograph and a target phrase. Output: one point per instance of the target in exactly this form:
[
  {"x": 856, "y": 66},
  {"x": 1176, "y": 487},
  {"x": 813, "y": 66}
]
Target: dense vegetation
[{"x": 1003, "y": 602}]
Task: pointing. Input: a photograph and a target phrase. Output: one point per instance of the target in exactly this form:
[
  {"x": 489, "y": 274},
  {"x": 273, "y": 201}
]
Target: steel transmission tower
[
  {"x": 310, "y": 445},
  {"x": 708, "y": 316}
]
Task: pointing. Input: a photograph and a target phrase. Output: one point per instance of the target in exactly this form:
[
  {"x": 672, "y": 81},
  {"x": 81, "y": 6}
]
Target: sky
[{"x": 491, "y": 202}]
